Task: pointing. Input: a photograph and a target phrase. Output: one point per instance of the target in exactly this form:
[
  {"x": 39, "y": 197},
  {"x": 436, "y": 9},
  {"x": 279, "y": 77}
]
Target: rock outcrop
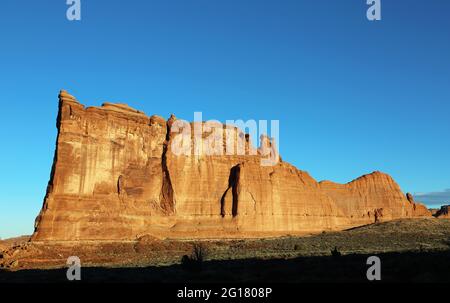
[
  {"x": 443, "y": 213},
  {"x": 116, "y": 176}
]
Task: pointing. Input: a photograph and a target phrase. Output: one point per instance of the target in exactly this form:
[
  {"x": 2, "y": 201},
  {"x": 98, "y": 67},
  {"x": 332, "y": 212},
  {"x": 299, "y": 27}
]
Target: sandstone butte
[
  {"x": 114, "y": 177},
  {"x": 443, "y": 212}
]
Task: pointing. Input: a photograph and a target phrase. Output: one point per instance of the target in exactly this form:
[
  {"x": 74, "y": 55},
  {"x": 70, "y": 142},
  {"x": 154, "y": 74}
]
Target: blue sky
[{"x": 352, "y": 96}]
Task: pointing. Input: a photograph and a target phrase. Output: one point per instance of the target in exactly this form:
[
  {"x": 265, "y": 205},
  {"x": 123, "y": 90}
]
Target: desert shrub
[
  {"x": 196, "y": 259},
  {"x": 335, "y": 252},
  {"x": 185, "y": 260}
]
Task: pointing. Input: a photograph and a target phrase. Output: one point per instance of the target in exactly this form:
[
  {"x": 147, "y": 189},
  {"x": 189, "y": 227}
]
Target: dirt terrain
[
  {"x": 416, "y": 240},
  {"x": 7, "y": 243}
]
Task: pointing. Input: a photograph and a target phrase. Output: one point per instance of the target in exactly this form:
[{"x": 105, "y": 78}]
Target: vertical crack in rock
[
  {"x": 121, "y": 188},
  {"x": 167, "y": 196},
  {"x": 254, "y": 200},
  {"x": 410, "y": 198},
  {"x": 378, "y": 213},
  {"x": 223, "y": 204},
  {"x": 235, "y": 172},
  {"x": 233, "y": 182}
]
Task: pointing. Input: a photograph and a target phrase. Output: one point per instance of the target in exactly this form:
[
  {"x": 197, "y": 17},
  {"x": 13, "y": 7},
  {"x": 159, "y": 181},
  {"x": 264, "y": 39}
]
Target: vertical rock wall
[{"x": 116, "y": 177}]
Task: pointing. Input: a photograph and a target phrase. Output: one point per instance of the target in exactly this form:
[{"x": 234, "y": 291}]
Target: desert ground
[{"x": 411, "y": 250}]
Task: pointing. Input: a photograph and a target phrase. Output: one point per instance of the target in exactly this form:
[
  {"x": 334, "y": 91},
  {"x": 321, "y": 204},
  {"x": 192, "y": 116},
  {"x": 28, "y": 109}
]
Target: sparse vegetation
[
  {"x": 195, "y": 260},
  {"x": 335, "y": 253},
  {"x": 396, "y": 236}
]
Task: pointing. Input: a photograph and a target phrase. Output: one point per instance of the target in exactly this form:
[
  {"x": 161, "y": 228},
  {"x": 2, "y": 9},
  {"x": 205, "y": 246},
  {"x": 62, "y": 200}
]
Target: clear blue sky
[{"x": 352, "y": 96}]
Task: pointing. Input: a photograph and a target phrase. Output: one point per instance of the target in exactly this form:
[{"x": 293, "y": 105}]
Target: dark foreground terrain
[
  {"x": 413, "y": 250},
  {"x": 396, "y": 267}
]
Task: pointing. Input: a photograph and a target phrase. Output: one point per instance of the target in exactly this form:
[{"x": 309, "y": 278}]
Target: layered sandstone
[{"x": 116, "y": 176}]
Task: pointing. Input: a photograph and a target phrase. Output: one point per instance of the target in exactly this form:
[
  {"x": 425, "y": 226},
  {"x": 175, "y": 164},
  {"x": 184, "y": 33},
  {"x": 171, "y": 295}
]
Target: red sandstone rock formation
[
  {"x": 443, "y": 213},
  {"x": 116, "y": 176}
]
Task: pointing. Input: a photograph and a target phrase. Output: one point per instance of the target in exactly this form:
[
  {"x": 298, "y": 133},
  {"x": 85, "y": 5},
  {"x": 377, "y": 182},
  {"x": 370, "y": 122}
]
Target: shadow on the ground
[{"x": 395, "y": 267}]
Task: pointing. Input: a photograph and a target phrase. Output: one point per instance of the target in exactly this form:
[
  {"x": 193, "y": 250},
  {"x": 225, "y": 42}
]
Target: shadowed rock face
[
  {"x": 443, "y": 212},
  {"x": 116, "y": 177}
]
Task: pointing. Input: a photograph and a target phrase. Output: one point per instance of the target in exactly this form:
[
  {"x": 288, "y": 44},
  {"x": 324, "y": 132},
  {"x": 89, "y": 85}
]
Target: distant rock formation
[
  {"x": 115, "y": 176},
  {"x": 443, "y": 213},
  {"x": 434, "y": 211}
]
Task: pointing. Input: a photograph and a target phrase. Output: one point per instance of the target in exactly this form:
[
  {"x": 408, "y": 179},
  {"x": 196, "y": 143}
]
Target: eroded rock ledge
[{"x": 115, "y": 177}]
